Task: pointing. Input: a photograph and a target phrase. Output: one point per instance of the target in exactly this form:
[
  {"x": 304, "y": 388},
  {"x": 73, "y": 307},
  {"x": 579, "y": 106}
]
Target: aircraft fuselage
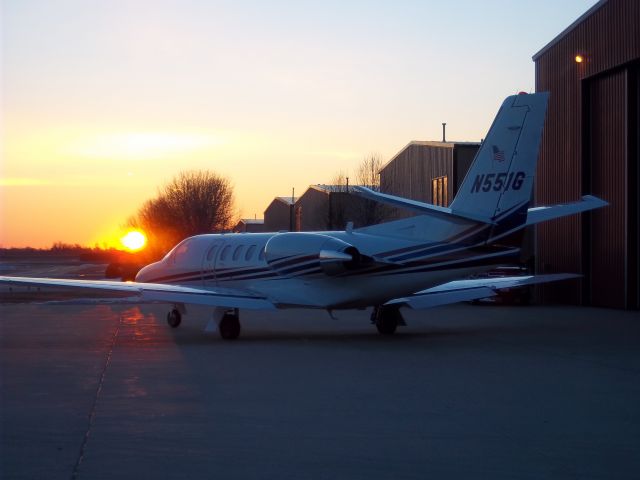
[{"x": 295, "y": 269}]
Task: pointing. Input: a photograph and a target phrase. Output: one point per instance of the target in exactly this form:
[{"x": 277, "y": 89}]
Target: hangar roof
[
  {"x": 287, "y": 200},
  {"x": 568, "y": 30}
]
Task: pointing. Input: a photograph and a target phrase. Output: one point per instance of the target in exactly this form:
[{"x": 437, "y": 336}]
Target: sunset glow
[
  {"x": 104, "y": 102},
  {"x": 141, "y": 145},
  {"x": 134, "y": 241}
]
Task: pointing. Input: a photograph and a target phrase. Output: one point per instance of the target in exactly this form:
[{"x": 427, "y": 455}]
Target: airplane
[{"x": 418, "y": 262}]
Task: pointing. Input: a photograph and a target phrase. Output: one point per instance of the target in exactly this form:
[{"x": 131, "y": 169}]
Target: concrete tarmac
[{"x": 91, "y": 392}]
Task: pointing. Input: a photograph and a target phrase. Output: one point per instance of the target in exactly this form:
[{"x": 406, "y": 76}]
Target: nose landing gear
[{"x": 174, "y": 318}]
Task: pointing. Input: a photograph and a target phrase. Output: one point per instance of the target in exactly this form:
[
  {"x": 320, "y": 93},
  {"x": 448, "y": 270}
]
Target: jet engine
[{"x": 297, "y": 253}]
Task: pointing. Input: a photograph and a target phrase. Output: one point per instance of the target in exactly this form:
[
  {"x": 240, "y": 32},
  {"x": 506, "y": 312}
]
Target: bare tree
[
  {"x": 339, "y": 181},
  {"x": 362, "y": 212},
  {"x": 368, "y": 175},
  {"x": 192, "y": 203},
  {"x": 368, "y": 172}
]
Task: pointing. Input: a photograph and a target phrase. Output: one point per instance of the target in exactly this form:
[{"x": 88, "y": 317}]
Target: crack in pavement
[{"x": 92, "y": 414}]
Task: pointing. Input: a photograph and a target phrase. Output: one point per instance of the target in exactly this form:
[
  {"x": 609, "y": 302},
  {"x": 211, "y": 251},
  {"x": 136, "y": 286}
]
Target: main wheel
[
  {"x": 387, "y": 319},
  {"x": 229, "y": 327},
  {"x": 174, "y": 317}
]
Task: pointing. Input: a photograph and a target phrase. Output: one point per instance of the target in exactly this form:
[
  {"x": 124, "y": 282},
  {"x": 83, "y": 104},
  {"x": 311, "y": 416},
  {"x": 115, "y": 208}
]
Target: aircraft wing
[
  {"x": 150, "y": 292},
  {"x": 473, "y": 289}
]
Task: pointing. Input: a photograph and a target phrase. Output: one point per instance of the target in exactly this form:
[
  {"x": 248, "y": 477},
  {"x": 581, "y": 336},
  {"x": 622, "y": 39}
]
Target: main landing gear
[
  {"x": 229, "y": 326},
  {"x": 228, "y": 321},
  {"x": 387, "y": 319}
]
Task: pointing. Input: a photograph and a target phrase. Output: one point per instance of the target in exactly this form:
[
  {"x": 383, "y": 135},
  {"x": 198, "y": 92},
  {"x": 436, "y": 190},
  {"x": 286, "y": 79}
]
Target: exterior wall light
[{"x": 579, "y": 59}]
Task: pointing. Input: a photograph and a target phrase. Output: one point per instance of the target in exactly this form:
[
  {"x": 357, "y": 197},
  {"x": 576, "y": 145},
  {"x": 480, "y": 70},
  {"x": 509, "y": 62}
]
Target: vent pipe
[{"x": 444, "y": 128}]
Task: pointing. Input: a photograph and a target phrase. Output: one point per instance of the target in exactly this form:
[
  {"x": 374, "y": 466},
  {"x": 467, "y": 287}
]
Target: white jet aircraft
[{"x": 416, "y": 262}]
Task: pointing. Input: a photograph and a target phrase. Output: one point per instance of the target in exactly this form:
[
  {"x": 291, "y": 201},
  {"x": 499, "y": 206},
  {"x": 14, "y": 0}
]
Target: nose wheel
[{"x": 174, "y": 317}]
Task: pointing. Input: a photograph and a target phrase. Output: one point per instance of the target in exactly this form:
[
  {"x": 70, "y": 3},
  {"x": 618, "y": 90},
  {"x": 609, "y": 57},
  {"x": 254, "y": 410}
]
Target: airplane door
[{"x": 209, "y": 263}]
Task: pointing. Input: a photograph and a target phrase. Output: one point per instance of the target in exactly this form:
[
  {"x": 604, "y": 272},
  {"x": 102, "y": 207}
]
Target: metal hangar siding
[
  {"x": 415, "y": 170},
  {"x": 591, "y": 145},
  {"x": 278, "y": 215}
]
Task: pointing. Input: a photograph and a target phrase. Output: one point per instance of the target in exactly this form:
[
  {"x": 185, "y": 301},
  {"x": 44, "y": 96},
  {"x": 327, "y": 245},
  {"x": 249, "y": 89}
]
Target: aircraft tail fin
[{"x": 498, "y": 186}]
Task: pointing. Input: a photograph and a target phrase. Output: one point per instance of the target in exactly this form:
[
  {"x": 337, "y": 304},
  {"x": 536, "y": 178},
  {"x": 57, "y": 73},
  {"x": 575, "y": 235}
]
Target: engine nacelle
[{"x": 295, "y": 253}]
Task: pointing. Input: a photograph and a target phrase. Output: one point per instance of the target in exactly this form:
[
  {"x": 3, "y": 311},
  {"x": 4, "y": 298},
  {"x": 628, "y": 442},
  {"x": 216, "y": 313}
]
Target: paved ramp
[{"x": 463, "y": 392}]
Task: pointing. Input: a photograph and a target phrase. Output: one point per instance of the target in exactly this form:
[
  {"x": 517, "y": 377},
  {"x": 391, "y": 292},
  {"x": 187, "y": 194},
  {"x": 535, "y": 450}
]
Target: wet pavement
[{"x": 462, "y": 392}]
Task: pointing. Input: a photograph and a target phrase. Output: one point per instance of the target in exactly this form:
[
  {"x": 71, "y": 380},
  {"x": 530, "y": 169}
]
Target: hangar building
[
  {"x": 330, "y": 207},
  {"x": 430, "y": 172},
  {"x": 590, "y": 145},
  {"x": 278, "y": 216},
  {"x": 249, "y": 225}
]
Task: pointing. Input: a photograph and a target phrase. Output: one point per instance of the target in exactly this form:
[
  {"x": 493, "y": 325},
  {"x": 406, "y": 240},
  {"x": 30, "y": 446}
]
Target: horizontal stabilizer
[
  {"x": 414, "y": 205},
  {"x": 148, "y": 292},
  {"x": 473, "y": 289},
  {"x": 542, "y": 214}
]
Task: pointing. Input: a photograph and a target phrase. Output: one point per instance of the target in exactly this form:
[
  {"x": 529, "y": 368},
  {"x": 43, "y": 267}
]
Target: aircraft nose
[{"x": 146, "y": 273}]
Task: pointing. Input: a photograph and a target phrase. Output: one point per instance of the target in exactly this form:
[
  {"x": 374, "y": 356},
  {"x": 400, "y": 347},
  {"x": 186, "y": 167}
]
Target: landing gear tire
[
  {"x": 174, "y": 318},
  {"x": 229, "y": 326},
  {"x": 387, "y": 319}
]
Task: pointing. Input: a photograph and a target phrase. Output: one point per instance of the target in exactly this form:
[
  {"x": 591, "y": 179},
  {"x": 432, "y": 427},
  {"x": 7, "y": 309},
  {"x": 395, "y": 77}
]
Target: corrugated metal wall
[
  {"x": 605, "y": 238},
  {"x": 314, "y": 213},
  {"x": 277, "y": 216},
  {"x": 558, "y": 177},
  {"x": 633, "y": 188},
  {"x": 463, "y": 156},
  {"x": 608, "y": 38},
  {"x": 410, "y": 173}
]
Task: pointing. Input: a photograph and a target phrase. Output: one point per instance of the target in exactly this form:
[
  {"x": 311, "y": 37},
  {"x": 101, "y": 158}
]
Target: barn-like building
[
  {"x": 249, "y": 225},
  {"x": 591, "y": 145},
  {"x": 278, "y": 216},
  {"x": 331, "y": 207},
  {"x": 430, "y": 172}
]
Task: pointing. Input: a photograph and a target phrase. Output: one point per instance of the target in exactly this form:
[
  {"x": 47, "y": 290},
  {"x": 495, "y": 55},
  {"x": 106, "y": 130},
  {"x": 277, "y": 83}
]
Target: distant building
[
  {"x": 331, "y": 207},
  {"x": 279, "y": 215},
  {"x": 591, "y": 145},
  {"x": 249, "y": 225},
  {"x": 430, "y": 172},
  {"x": 312, "y": 210}
]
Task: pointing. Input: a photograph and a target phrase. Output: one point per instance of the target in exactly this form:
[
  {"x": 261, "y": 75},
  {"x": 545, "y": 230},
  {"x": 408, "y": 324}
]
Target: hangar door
[{"x": 611, "y": 173}]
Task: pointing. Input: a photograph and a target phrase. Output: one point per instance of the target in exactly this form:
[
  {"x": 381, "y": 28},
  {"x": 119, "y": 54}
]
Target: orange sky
[{"x": 103, "y": 102}]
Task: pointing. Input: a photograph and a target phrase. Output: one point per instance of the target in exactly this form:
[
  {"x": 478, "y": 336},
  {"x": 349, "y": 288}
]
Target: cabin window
[
  {"x": 237, "y": 252},
  {"x": 212, "y": 253},
  {"x": 225, "y": 252},
  {"x": 439, "y": 191},
  {"x": 249, "y": 253}
]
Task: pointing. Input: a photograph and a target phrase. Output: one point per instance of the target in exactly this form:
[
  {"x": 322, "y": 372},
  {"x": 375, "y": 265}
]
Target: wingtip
[{"x": 596, "y": 200}]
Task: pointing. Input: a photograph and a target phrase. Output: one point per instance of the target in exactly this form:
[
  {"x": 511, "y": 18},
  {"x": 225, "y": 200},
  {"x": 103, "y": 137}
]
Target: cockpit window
[
  {"x": 249, "y": 253},
  {"x": 237, "y": 252},
  {"x": 180, "y": 251},
  {"x": 261, "y": 254},
  {"x": 225, "y": 252}
]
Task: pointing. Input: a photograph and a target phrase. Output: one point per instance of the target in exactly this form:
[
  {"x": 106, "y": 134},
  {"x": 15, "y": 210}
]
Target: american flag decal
[{"x": 498, "y": 155}]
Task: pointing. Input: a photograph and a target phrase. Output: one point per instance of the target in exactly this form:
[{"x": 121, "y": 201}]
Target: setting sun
[{"x": 134, "y": 240}]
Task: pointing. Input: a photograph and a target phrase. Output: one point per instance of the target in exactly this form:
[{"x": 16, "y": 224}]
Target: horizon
[{"x": 104, "y": 104}]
